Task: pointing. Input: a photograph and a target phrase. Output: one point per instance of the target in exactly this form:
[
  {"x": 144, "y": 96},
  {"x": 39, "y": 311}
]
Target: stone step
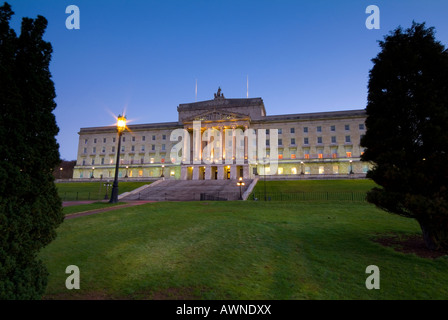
[{"x": 189, "y": 190}]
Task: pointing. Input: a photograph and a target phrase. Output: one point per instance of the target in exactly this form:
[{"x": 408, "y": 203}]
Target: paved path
[{"x": 95, "y": 211}]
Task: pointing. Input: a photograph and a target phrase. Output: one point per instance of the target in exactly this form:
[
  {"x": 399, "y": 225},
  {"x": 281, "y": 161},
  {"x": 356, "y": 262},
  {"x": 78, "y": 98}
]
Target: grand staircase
[{"x": 188, "y": 190}]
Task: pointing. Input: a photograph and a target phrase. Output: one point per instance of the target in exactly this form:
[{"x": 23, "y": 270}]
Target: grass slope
[{"x": 240, "y": 250}]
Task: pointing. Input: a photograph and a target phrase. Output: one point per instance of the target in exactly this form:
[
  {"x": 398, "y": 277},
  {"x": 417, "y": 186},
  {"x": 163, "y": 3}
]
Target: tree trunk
[{"x": 434, "y": 235}]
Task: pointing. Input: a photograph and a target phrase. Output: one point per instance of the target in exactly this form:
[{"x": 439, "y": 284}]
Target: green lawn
[
  {"x": 92, "y": 190},
  {"x": 240, "y": 250},
  {"x": 315, "y": 185}
]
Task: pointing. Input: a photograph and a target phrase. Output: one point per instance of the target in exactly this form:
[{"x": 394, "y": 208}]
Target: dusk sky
[{"x": 145, "y": 56}]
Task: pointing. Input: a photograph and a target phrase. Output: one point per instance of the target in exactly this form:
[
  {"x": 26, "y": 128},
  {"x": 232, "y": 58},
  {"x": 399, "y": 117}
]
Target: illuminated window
[
  {"x": 349, "y": 154},
  {"x": 335, "y": 169},
  {"x": 294, "y": 170},
  {"x": 293, "y": 156},
  {"x": 320, "y": 156},
  {"x": 280, "y": 156},
  {"x": 307, "y": 170},
  {"x": 307, "y": 156},
  {"x": 172, "y": 173},
  {"x": 140, "y": 173},
  {"x": 334, "y": 155},
  {"x": 280, "y": 170},
  {"x": 321, "y": 170},
  {"x": 151, "y": 160}
]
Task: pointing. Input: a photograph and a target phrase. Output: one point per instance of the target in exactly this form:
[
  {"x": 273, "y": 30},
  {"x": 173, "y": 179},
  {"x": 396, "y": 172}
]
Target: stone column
[
  {"x": 246, "y": 172},
  {"x": 233, "y": 172},
  {"x": 221, "y": 172},
  {"x": 183, "y": 172},
  {"x": 208, "y": 173},
  {"x": 195, "y": 173}
]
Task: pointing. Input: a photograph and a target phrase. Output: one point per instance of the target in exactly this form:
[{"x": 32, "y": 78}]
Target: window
[
  {"x": 85, "y": 141},
  {"x": 140, "y": 173},
  {"x": 163, "y": 147},
  {"x": 361, "y": 126},
  {"x": 143, "y": 149},
  {"x": 113, "y": 149},
  {"x": 164, "y": 137},
  {"x": 102, "y": 160},
  {"x": 93, "y": 162},
  {"x": 104, "y": 140},
  {"x": 280, "y": 142},
  {"x": 320, "y": 153},
  {"x": 321, "y": 170},
  {"x": 335, "y": 169},
  {"x": 143, "y": 138},
  {"x": 348, "y": 139},
  {"x": 151, "y": 160},
  {"x": 133, "y": 138},
  {"x": 333, "y": 128},
  {"x": 94, "y": 150},
  {"x": 142, "y": 160},
  {"x": 113, "y": 139},
  {"x": 307, "y": 153},
  {"x": 85, "y": 150},
  {"x": 293, "y": 141},
  {"x": 294, "y": 170},
  {"x": 280, "y": 170},
  {"x": 267, "y": 142},
  {"x": 122, "y": 149},
  {"x": 319, "y": 140},
  {"x": 293, "y": 156},
  {"x": 280, "y": 156},
  {"x": 365, "y": 168},
  {"x": 307, "y": 170},
  {"x": 279, "y": 131},
  {"x": 94, "y": 140},
  {"x": 349, "y": 154},
  {"x": 319, "y": 129},
  {"x": 133, "y": 148},
  {"x": 83, "y": 162},
  {"x": 305, "y": 129},
  {"x": 293, "y": 130},
  {"x": 347, "y": 127},
  {"x": 153, "y": 137},
  {"x": 153, "y": 147},
  {"x": 334, "y": 153},
  {"x": 333, "y": 139},
  {"x": 103, "y": 150},
  {"x": 267, "y": 131},
  {"x": 305, "y": 141},
  {"x": 124, "y": 139}
]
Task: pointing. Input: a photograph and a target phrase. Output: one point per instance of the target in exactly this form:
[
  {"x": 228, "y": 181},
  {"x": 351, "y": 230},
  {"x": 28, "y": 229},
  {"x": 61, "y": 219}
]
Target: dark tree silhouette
[
  {"x": 30, "y": 209},
  {"x": 407, "y": 130}
]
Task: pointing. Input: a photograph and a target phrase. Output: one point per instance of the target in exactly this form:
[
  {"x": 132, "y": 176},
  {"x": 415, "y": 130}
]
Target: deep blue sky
[{"x": 145, "y": 56}]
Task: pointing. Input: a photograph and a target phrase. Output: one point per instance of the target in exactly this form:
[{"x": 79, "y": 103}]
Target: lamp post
[
  {"x": 127, "y": 167},
  {"x": 301, "y": 165},
  {"x": 121, "y": 126},
  {"x": 264, "y": 173},
  {"x": 240, "y": 183},
  {"x": 60, "y": 173},
  {"x": 351, "y": 166},
  {"x": 163, "y": 168},
  {"x": 93, "y": 171}
]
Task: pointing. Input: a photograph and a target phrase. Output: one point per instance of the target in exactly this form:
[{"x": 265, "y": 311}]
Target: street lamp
[
  {"x": 351, "y": 167},
  {"x": 93, "y": 171},
  {"x": 240, "y": 183},
  {"x": 60, "y": 173},
  {"x": 163, "y": 167},
  {"x": 121, "y": 126},
  {"x": 126, "y": 175},
  {"x": 301, "y": 165}
]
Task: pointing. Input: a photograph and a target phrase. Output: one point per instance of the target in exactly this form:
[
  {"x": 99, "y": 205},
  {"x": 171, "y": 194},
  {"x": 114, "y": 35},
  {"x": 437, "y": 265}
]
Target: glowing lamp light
[{"x": 121, "y": 123}]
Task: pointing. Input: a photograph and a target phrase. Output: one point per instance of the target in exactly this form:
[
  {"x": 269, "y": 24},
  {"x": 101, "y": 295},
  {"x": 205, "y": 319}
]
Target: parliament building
[{"x": 308, "y": 145}]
